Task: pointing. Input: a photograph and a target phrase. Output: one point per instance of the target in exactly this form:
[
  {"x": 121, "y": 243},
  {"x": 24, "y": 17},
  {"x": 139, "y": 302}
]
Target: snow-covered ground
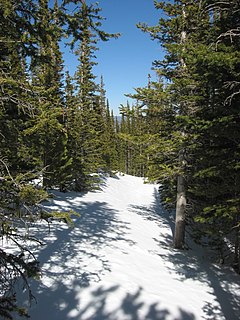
[{"x": 117, "y": 263}]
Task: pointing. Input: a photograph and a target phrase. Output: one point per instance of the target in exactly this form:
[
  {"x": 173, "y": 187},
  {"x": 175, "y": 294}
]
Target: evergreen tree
[
  {"x": 214, "y": 187},
  {"x": 120, "y": 148},
  {"x": 157, "y": 124},
  {"x": 17, "y": 197},
  {"x": 85, "y": 140},
  {"x": 15, "y": 88},
  {"x": 124, "y": 143},
  {"x": 200, "y": 70},
  {"x": 19, "y": 156},
  {"x": 108, "y": 135},
  {"x": 46, "y": 69},
  {"x": 133, "y": 140},
  {"x": 173, "y": 34}
]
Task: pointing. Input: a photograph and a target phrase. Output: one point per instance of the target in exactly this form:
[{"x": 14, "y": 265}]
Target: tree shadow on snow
[
  {"x": 97, "y": 226},
  {"x": 164, "y": 219},
  {"x": 71, "y": 305},
  {"x": 131, "y": 306},
  {"x": 223, "y": 283},
  {"x": 74, "y": 265},
  {"x": 72, "y": 257},
  {"x": 191, "y": 264}
]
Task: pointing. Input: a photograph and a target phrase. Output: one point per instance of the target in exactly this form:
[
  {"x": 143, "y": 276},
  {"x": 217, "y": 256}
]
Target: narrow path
[{"x": 118, "y": 264}]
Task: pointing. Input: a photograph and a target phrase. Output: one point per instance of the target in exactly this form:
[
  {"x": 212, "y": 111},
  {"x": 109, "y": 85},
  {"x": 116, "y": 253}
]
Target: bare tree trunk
[{"x": 179, "y": 235}]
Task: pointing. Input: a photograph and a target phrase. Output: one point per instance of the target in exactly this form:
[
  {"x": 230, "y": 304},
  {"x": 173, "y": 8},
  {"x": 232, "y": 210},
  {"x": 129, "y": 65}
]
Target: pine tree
[
  {"x": 124, "y": 139},
  {"x": 200, "y": 93},
  {"x": 108, "y": 134},
  {"x": 132, "y": 139},
  {"x": 46, "y": 69},
  {"x": 20, "y": 101},
  {"x": 215, "y": 184},
  {"x": 87, "y": 123},
  {"x": 157, "y": 138},
  {"x": 15, "y": 89},
  {"x": 173, "y": 33},
  {"x": 17, "y": 197}
]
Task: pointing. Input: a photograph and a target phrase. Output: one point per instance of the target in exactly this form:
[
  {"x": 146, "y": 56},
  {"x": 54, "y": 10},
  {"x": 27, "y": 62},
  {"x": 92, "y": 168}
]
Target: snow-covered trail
[{"x": 118, "y": 264}]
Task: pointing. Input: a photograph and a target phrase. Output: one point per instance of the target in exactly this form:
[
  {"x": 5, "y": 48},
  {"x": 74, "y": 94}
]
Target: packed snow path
[{"x": 117, "y": 263}]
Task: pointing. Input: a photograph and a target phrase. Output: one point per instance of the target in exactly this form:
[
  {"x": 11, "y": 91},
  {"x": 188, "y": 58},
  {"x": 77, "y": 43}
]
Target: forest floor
[{"x": 117, "y": 263}]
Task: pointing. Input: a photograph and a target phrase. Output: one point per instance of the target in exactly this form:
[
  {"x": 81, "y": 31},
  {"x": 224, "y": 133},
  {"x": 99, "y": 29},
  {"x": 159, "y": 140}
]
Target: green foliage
[
  {"x": 46, "y": 132},
  {"x": 20, "y": 207},
  {"x": 193, "y": 112},
  {"x": 65, "y": 216},
  {"x": 29, "y": 195},
  {"x": 89, "y": 127},
  {"x": 132, "y": 141}
]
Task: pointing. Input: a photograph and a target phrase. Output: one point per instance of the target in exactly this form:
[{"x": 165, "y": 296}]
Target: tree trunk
[{"x": 179, "y": 235}]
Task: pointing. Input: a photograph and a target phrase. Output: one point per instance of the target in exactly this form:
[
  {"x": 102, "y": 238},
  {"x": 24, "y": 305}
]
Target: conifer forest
[{"x": 58, "y": 131}]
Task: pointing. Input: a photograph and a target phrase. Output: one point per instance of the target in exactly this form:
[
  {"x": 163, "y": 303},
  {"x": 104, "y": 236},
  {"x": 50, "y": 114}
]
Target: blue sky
[{"x": 126, "y": 62}]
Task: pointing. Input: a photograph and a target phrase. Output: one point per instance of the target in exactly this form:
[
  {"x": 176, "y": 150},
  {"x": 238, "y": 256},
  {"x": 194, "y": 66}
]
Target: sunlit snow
[{"x": 117, "y": 263}]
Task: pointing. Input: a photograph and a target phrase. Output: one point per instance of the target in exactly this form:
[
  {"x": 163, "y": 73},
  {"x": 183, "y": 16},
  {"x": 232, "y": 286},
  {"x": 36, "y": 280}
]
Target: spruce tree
[
  {"x": 108, "y": 134},
  {"x": 20, "y": 101},
  {"x": 17, "y": 197},
  {"x": 132, "y": 139},
  {"x": 204, "y": 97},
  {"x": 48, "y": 131},
  {"x": 15, "y": 88},
  {"x": 215, "y": 185},
  {"x": 85, "y": 140}
]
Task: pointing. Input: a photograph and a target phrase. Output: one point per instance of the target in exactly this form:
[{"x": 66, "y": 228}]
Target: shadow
[
  {"x": 74, "y": 266},
  {"x": 72, "y": 258},
  {"x": 194, "y": 264},
  {"x": 102, "y": 178},
  {"x": 73, "y": 306},
  {"x": 131, "y": 306},
  {"x": 222, "y": 283},
  {"x": 164, "y": 219},
  {"x": 97, "y": 227},
  {"x": 156, "y": 212}
]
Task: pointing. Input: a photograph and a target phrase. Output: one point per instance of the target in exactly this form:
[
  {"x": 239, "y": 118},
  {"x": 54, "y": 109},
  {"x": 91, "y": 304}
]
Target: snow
[{"x": 117, "y": 263}]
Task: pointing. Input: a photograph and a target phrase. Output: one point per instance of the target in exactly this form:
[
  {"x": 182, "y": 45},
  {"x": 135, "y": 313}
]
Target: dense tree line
[
  {"x": 54, "y": 126},
  {"x": 191, "y": 120}
]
